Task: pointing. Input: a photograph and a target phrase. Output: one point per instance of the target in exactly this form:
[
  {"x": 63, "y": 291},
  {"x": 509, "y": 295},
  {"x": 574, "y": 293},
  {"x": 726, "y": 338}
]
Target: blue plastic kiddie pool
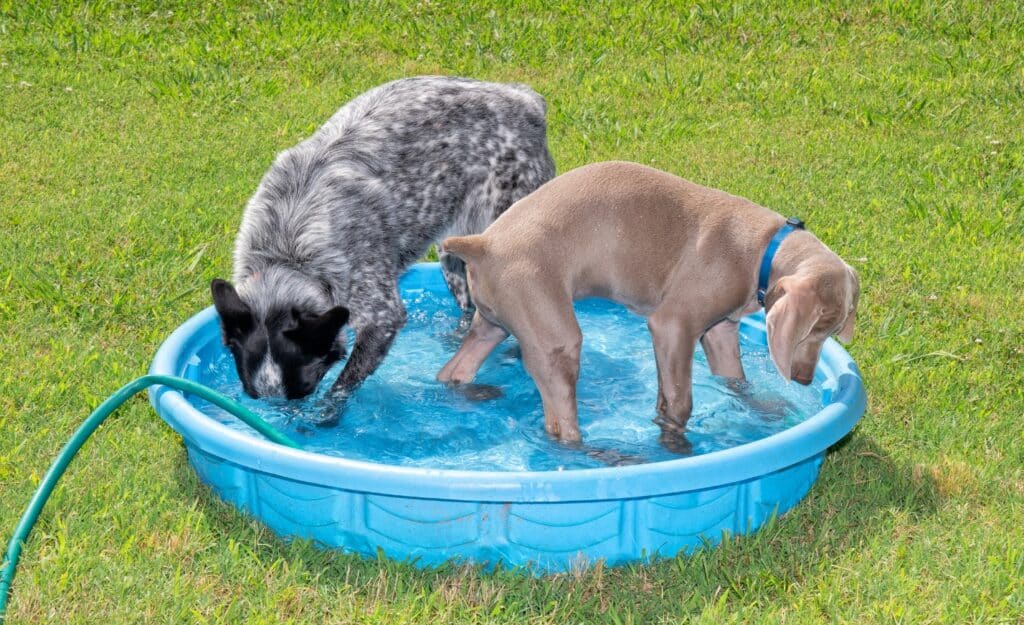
[{"x": 389, "y": 477}]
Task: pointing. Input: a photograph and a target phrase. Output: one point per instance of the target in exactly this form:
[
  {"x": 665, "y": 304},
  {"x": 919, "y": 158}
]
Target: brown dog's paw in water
[
  {"x": 675, "y": 441},
  {"x": 612, "y": 457},
  {"x": 771, "y": 408},
  {"x": 477, "y": 392}
]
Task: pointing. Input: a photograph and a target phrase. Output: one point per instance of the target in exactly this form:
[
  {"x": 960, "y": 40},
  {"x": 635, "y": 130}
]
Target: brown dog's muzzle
[{"x": 803, "y": 372}]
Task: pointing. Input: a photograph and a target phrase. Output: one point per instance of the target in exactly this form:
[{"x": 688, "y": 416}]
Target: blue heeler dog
[{"x": 338, "y": 218}]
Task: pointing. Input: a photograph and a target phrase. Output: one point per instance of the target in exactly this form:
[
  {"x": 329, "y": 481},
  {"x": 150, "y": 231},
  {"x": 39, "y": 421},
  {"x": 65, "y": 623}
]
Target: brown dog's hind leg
[
  {"x": 721, "y": 345},
  {"x": 555, "y": 371},
  {"x": 551, "y": 343},
  {"x": 480, "y": 341},
  {"x": 674, "y": 344}
]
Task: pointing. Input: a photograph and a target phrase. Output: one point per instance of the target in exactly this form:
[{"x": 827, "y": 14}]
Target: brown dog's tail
[{"x": 469, "y": 248}]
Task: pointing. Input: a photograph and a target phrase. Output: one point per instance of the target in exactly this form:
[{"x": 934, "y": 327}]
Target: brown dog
[{"x": 685, "y": 256}]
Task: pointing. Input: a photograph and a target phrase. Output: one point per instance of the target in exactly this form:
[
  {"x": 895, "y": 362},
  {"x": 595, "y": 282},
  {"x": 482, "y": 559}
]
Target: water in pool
[{"x": 402, "y": 416}]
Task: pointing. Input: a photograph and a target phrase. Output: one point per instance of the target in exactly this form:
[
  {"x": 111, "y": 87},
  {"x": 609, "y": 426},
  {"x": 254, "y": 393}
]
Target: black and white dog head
[{"x": 280, "y": 351}]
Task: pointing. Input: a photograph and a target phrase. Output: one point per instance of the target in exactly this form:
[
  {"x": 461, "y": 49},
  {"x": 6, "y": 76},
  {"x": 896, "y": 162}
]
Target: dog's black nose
[{"x": 300, "y": 393}]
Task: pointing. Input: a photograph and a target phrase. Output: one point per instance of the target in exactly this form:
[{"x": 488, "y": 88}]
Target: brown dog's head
[{"x": 802, "y": 311}]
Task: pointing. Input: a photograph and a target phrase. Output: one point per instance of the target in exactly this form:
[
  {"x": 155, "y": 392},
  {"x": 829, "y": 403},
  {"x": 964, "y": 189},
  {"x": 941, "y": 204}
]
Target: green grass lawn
[{"x": 130, "y": 139}]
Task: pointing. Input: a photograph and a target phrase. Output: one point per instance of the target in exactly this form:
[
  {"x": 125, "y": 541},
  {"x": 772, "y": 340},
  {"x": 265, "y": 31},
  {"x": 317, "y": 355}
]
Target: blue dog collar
[{"x": 792, "y": 224}]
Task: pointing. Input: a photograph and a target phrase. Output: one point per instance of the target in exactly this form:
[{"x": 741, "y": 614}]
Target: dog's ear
[
  {"x": 468, "y": 248},
  {"x": 793, "y": 309},
  {"x": 846, "y": 333},
  {"x": 235, "y": 315},
  {"x": 317, "y": 332},
  {"x": 853, "y": 289}
]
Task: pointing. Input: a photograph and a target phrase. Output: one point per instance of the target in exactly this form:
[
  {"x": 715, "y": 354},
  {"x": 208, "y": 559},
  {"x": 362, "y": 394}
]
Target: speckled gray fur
[{"x": 337, "y": 218}]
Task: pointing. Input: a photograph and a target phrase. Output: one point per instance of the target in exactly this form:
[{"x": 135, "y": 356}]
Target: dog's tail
[{"x": 469, "y": 248}]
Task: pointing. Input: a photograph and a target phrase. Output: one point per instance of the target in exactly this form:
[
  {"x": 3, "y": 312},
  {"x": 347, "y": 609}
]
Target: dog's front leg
[
  {"x": 721, "y": 345},
  {"x": 377, "y": 316},
  {"x": 371, "y": 345}
]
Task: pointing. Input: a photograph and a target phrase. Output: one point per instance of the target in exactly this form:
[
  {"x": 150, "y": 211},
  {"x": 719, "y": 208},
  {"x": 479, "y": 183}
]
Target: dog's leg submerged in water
[
  {"x": 481, "y": 339},
  {"x": 377, "y": 315}
]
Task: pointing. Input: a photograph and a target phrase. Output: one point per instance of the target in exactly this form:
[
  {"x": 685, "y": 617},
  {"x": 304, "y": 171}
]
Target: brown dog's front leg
[
  {"x": 721, "y": 345},
  {"x": 674, "y": 345},
  {"x": 480, "y": 341}
]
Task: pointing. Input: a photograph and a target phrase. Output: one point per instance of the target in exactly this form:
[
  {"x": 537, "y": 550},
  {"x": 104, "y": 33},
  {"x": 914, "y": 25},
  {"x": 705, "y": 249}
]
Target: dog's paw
[
  {"x": 769, "y": 407},
  {"x": 477, "y": 392},
  {"x": 326, "y": 418},
  {"x": 614, "y": 458},
  {"x": 326, "y": 413},
  {"x": 670, "y": 424},
  {"x": 675, "y": 441}
]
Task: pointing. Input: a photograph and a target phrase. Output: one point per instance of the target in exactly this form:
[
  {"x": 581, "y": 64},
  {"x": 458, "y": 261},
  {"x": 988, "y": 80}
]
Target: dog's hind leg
[
  {"x": 721, "y": 345},
  {"x": 551, "y": 340},
  {"x": 674, "y": 345},
  {"x": 555, "y": 370},
  {"x": 480, "y": 341}
]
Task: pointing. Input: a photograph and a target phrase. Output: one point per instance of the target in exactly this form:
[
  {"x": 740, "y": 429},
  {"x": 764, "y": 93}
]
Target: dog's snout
[
  {"x": 804, "y": 373},
  {"x": 300, "y": 392}
]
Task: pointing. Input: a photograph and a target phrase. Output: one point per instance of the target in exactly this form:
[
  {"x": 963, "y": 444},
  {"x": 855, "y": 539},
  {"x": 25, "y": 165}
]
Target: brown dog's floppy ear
[
  {"x": 846, "y": 333},
  {"x": 468, "y": 248},
  {"x": 792, "y": 312},
  {"x": 235, "y": 315}
]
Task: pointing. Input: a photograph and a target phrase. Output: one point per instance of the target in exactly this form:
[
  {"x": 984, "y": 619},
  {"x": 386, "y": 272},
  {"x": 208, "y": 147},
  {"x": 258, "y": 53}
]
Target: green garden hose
[{"x": 28, "y": 518}]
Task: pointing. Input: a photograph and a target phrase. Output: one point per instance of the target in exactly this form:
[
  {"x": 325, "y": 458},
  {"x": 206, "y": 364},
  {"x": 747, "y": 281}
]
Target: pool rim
[{"x": 843, "y": 387}]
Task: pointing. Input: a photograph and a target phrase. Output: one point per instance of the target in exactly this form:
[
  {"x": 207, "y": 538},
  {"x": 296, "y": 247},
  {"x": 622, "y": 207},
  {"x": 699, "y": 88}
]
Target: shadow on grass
[{"x": 859, "y": 493}]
